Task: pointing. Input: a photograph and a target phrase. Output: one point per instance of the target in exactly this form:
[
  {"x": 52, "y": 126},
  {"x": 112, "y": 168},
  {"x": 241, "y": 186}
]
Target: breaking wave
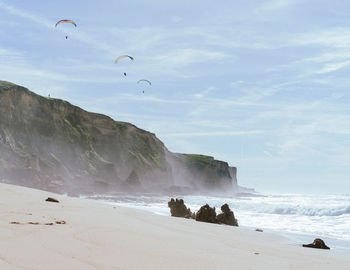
[{"x": 338, "y": 211}]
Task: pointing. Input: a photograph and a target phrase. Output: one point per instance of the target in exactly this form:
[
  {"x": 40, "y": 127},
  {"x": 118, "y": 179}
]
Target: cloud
[
  {"x": 183, "y": 57},
  {"x": 331, "y": 67},
  {"x": 273, "y": 6},
  {"x": 205, "y": 92},
  {"x": 26, "y": 15},
  {"x": 6, "y": 53},
  {"x": 79, "y": 35},
  {"x": 176, "y": 19},
  {"x": 331, "y": 37}
]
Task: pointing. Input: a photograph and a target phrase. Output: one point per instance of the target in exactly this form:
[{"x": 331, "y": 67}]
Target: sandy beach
[{"x": 86, "y": 234}]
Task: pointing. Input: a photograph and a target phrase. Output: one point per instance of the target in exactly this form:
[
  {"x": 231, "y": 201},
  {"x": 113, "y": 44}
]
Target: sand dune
[{"x": 85, "y": 234}]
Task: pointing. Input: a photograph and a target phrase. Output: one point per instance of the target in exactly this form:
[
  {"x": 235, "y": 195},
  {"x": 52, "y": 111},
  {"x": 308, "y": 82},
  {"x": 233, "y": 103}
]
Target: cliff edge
[{"x": 53, "y": 145}]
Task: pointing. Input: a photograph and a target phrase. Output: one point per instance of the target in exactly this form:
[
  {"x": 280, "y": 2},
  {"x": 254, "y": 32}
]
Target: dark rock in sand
[
  {"x": 259, "y": 230},
  {"x": 206, "y": 214},
  {"x": 318, "y": 243},
  {"x": 227, "y": 217},
  {"x": 50, "y": 199},
  {"x": 15, "y": 222},
  {"x": 179, "y": 209}
]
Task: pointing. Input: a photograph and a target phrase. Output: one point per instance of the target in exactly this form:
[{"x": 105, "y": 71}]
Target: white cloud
[
  {"x": 79, "y": 35},
  {"x": 176, "y": 19},
  {"x": 272, "y": 7},
  {"x": 331, "y": 67},
  {"x": 26, "y": 15},
  {"x": 205, "y": 92},
  {"x": 184, "y": 57}
]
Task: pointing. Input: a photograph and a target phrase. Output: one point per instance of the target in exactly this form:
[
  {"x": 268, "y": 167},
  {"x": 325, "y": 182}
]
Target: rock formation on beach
[
  {"x": 227, "y": 217},
  {"x": 206, "y": 214},
  {"x": 317, "y": 243},
  {"x": 50, "y": 144},
  {"x": 50, "y": 199},
  {"x": 179, "y": 209}
]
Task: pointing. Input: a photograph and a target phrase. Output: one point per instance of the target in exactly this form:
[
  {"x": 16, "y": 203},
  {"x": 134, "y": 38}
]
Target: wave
[
  {"x": 337, "y": 211},
  {"x": 286, "y": 205}
]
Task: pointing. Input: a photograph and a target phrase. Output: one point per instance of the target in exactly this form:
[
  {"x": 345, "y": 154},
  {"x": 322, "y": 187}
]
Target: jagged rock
[
  {"x": 318, "y": 243},
  {"x": 227, "y": 217},
  {"x": 50, "y": 199},
  {"x": 179, "y": 209},
  {"x": 206, "y": 214}
]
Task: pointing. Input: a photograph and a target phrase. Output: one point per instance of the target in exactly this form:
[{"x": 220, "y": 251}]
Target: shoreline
[
  {"x": 336, "y": 244},
  {"x": 101, "y": 236}
]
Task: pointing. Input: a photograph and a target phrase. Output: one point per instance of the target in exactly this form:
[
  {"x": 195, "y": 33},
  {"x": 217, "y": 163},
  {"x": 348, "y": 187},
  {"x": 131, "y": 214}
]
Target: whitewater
[{"x": 300, "y": 217}]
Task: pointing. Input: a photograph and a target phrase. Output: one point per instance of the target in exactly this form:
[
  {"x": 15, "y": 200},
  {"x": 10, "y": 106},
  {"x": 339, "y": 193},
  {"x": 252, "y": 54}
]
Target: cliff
[{"x": 50, "y": 144}]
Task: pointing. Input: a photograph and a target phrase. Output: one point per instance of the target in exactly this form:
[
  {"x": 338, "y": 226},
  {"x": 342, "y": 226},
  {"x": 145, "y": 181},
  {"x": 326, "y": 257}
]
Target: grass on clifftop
[
  {"x": 6, "y": 85},
  {"x": 197, "y": 159}
]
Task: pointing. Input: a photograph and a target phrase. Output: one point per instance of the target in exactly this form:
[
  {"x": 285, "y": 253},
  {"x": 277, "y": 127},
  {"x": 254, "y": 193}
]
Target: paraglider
[
  {"x": 66, "y": 21},
  {"x": 122, "y": 57},
  {"x": 144, "y": 80}
]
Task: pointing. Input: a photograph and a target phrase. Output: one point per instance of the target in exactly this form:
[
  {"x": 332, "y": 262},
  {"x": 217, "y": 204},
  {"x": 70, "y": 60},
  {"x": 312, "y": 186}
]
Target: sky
[{"x": 263, "y": 85}]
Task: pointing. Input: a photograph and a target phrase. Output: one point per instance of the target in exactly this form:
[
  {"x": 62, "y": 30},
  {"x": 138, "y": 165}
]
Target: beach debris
[
  {"x": 227, "y": 216},
  {"x": 259, "y": 230},
  {"x": 318, "y": 243},
  {"x": 179, "y": 209},
  {"x": 256, "y": 253},
  {"x": 206, "y": 214},
  {"x": 61, "y": 222},
  {"x": 39, "y": 223},
  {"x": 50, "y": 199}
]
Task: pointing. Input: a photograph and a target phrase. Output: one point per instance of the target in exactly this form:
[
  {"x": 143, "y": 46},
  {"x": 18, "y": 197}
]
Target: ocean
[{"x": 299, "y": 217}]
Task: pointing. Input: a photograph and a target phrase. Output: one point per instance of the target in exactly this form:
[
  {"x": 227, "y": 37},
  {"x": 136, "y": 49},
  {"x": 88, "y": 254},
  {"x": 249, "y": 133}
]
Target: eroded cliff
[{"x": 50, "y": 144}]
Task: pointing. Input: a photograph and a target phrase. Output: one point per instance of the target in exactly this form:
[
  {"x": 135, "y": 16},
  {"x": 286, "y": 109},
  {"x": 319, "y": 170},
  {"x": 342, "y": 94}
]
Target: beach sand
[{"x": 101, "y": 236}]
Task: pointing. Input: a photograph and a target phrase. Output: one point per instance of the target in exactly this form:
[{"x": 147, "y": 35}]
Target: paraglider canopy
[
  {"x": 66, "y": 21},
  {"x": 144, "y": 80},
  {"x": 122, "y": 57}
]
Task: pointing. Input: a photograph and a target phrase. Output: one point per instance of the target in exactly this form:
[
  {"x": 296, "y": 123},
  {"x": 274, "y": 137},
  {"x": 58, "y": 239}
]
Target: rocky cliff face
[{"x": 50, "y": 144}]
